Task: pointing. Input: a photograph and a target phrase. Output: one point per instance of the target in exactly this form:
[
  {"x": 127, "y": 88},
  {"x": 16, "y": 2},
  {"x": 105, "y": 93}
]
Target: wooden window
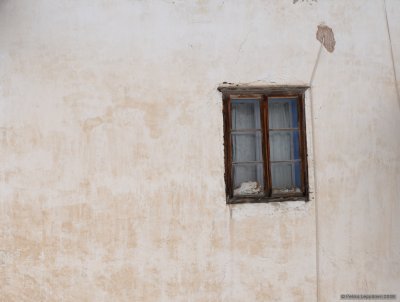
[{"x": 265, "y": 144}]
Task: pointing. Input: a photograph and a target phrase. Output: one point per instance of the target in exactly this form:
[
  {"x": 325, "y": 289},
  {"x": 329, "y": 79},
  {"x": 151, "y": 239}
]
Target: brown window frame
[{"x": 264, "y": 93}]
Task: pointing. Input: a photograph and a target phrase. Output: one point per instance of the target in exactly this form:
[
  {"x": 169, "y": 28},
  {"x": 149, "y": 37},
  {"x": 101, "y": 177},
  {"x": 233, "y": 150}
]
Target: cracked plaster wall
[{"x": 112, "y": 158}]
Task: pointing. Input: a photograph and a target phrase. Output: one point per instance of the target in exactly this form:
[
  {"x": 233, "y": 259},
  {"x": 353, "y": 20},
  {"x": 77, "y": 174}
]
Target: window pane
[
  {"x": 245, "y": 114},
  {"x": 248, "y": 179},
  {"x": 246, "y": 147},
  {"x": 282, "y": 113},
  {"x": 297, "y": 175},
  {"x": 286, "y": 177},
  {"x": 284, "y": 145}
]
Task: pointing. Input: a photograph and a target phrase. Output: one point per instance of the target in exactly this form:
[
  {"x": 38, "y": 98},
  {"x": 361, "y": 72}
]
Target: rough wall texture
[{"x": 112, "y": 152}]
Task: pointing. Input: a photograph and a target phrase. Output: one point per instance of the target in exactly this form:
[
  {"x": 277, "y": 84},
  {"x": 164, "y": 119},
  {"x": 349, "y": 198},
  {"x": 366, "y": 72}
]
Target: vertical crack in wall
[
  {"x": 392, "y": 55},
  {"x": 327, "y": 39}
]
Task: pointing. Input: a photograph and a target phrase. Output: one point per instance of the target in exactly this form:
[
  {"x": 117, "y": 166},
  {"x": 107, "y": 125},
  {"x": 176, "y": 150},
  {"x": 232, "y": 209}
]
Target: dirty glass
[
  {"x": 284, "y": 144},
  {"x": 247, "y": 159}
]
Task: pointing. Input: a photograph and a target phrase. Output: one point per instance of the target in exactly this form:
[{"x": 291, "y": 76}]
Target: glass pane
[
  {"x": 296, "y": 145},
  {"x": 286, "y": 177},
  {"x": 297, "y": 174},
  {"x": 281, "y": 175},
  {"x": 245, "y": 114},
  {"x": 284, "y": 145},
  {"x": 282, "y": 113},
  {"x": 248, "y": 179},
  {"x": 246, "y": 147}
]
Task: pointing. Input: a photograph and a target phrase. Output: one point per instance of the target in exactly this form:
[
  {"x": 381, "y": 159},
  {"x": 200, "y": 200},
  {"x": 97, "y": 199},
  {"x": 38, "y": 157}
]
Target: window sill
[
  {"x": 292, "y": 208},
  {"x": 264, "y": 199}
]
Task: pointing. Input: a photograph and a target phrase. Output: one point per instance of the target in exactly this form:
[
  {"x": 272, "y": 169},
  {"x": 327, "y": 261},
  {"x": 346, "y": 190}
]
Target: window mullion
[
  {"x": 302, "y": 142},
  {"x": 266, "y": 151},
  {"x": 228, "y": 146}
]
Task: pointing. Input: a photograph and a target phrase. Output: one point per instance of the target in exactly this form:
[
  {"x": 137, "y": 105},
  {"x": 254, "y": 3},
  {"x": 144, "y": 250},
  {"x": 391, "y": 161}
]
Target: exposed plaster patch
[{"x": 326, "y": 37}]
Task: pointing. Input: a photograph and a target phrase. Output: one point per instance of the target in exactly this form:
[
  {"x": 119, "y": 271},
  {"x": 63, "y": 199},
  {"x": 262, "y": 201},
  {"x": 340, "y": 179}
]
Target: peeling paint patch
[{"x": 326, "y": 37}]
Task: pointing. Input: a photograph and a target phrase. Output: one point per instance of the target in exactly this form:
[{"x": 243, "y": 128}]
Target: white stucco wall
[{"x": 111, "y": 154}]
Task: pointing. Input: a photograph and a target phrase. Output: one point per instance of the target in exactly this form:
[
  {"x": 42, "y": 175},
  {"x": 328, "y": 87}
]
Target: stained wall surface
[{"x": 111, "y": 159}]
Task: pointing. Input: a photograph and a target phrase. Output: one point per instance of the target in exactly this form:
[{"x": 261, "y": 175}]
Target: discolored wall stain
[{"x": 112, "y": 162}]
